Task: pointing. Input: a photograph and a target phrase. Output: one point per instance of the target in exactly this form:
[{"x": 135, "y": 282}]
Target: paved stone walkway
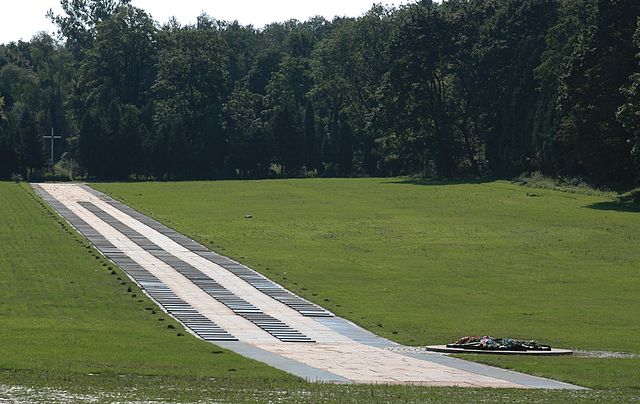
[{"x": 229, "y": 304}]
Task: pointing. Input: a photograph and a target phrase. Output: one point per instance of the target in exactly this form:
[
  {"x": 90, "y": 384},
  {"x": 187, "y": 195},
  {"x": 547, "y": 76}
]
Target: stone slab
[{"x": 449, "y": 350}]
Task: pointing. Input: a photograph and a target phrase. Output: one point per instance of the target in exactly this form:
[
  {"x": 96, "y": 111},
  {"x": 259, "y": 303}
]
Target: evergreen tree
[
  {"x": 8, "y": 155},
  {"x": 629, "y": 113},
  {"x": 447, "y": 89},
  {"x": 31, "y": 149},
  {"x": 600, "y": 65}
]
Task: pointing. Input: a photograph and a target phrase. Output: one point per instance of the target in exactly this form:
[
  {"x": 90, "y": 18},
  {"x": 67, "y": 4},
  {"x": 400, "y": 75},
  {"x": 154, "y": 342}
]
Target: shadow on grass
[
  {"x": 436, "y": 182},
  {"x": 615, "y": 206}
]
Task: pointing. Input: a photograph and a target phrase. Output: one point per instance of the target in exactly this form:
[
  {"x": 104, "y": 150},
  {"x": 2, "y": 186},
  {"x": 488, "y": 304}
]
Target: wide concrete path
[{"x": 225, "y": 302}]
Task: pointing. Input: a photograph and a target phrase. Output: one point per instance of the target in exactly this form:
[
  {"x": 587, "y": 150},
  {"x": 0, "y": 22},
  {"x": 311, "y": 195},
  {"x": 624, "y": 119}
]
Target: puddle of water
[
  {"x": 42, "y": 395},
  {"x": 32, "y": 395},
  {"x": 22, "y": 394}
]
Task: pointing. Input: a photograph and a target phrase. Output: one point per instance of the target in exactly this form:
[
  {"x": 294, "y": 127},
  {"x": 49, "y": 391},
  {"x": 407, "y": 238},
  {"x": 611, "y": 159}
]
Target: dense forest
[{"x": 459, "y": 88}]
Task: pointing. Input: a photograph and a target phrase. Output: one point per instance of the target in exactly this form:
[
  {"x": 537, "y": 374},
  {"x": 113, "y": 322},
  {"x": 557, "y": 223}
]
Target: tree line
[{"x": 458, "y": 88}]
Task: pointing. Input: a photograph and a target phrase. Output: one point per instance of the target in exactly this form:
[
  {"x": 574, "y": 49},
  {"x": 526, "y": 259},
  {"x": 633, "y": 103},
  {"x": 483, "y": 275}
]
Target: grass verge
[
  {"x": 67, "y": 311},
  {"x": 425, "y": 263},
  {"x": 71, "y": 330}
]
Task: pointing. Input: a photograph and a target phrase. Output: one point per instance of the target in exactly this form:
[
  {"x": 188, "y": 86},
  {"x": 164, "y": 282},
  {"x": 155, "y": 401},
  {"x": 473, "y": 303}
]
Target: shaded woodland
[{"x": 461, "y": 88}]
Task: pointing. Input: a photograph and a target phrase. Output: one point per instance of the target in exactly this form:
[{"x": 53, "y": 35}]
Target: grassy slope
[
  {"x": 64, "y": 315},
  {"x": 427, "y": 263},
  {"x": 66, "y": 322}
]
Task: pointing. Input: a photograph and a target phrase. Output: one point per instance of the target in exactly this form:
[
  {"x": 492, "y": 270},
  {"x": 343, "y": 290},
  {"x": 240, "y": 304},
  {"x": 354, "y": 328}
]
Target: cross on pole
[{"x": 52, "y": 138}]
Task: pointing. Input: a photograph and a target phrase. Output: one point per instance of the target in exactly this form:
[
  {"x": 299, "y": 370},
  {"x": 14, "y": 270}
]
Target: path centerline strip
[
  {"x": 239, "y": 306},
  {"x": 202, "y": 326},
  {"x": 263, "y": 284},
  {"x": 312, "y": 327}
]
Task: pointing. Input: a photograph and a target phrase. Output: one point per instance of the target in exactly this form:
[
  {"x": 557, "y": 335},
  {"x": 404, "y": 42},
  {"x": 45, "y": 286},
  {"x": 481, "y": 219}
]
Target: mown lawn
[
  {"x": 426, "y": 262},
  {"x": 417, "y": 263},
  {"x": 64, "y": 315}
]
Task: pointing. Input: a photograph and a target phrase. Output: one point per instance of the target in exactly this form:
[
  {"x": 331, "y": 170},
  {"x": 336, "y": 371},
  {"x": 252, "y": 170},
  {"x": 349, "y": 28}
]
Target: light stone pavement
[{"x": 341, "y": 351}]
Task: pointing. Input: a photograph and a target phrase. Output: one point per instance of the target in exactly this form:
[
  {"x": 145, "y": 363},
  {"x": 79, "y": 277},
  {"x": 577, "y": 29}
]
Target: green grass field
[
  {"x": 419, "y": 263},
  {"x": 65, "y": 317},
  {"x": 425, "y": 263}
]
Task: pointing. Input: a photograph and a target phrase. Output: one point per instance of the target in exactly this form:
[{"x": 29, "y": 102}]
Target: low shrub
[
  {"x": 565, "y": 184},
  {"x": 631, "y": 197},
  {"x": 17, "y": 178}
]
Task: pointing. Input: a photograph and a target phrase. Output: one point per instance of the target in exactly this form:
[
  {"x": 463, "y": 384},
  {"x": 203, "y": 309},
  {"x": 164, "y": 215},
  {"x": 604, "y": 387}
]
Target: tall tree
[
  {"x": 116, "y": 75},
  {"x": 561, "y": 39},
  {"x": 511, "y": 49},
  {"x": 285, "y": 101},
  {"x": 52, "y": 65},
  {"x": 190, "y": 89},
  {"x": 8, "y": 152},
  {"x": 248, "y": 153},
  {"x": 92, "y": 144},
  {"x": 31, "y": 145},
  {"x": 629, "y": 112},
  {"x": 243, "y": 42},
  {"x": 348, "y": 67},
  {"x": 80, "y": 18},
  {"x": 600, "y": 65},
  {"x": 447, "y": 88},
  {"x": 122, "y": 60},
  {"x": 416, "y": 96}
]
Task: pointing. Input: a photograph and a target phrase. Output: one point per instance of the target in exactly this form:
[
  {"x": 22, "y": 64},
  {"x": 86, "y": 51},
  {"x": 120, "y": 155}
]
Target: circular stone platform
[{"x": 446, "y": 349}]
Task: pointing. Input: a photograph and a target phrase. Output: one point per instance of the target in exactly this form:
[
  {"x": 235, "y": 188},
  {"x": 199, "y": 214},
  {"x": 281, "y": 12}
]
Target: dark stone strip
[
  {"x": 263, "y": 284},
  {"x": 239, "y": 306},
  {"x": 178, "y": 308}
]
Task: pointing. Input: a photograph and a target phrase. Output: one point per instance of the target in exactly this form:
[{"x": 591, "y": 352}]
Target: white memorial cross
[{"x": 52, "y": 138}]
